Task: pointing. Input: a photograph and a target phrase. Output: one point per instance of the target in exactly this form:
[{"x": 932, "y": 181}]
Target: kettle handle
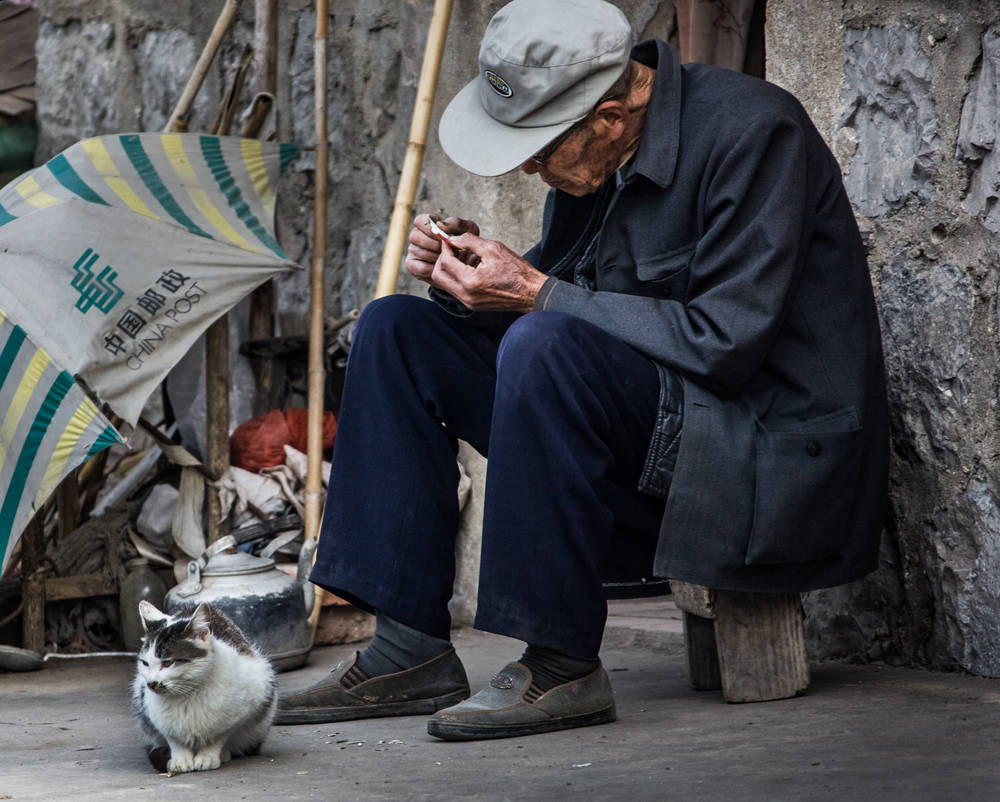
[{"x": 219, "y": 546}]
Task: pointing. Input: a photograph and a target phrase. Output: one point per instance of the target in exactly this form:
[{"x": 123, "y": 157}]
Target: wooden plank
[
  {"x": 11, "y": 78},
  {"x": 693, "y": 598},
  {"x": 10, "y": 10},
  {"x": 27, "y": 93},
  {"x": 19, "y": 52},
  {"x": 80, "y": 586},
  {"x": 702, "y": 656},
  {"x": 761, "y": 643},
  {"x": 13, "y": 106}
]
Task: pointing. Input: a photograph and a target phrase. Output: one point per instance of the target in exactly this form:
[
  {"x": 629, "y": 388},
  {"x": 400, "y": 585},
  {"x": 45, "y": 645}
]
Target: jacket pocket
[
  {"x": 805, "y": 488},
  {"x": 667, "y": 274}
]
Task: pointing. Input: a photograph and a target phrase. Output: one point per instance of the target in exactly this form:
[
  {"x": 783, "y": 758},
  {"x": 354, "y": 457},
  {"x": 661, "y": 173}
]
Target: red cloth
[
  {"x": 260, "y": 442},
  {"x": 298, "y": 425}
]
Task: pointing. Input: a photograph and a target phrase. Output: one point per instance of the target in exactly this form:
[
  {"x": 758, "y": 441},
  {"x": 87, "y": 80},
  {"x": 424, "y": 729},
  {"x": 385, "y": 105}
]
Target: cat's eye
[
  {"x": 144, "y": 663},
  {"x": 166, "y": 663}
]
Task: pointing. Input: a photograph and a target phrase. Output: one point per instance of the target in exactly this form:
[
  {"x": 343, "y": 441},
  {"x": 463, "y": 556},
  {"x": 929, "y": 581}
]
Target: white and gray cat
[{"x": 202, "y": 692}]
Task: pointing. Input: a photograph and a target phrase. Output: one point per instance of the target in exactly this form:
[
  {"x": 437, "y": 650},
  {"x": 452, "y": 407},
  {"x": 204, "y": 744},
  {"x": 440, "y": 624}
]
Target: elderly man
[{"x": 683, "y": 376}]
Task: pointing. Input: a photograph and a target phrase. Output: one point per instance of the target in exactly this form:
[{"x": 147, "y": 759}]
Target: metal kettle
[{"x": 269, "y": 606}]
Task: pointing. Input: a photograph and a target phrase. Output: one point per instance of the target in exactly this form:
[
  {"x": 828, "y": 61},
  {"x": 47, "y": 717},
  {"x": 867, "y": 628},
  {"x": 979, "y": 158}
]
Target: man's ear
[{"x": 610, "y": 119}]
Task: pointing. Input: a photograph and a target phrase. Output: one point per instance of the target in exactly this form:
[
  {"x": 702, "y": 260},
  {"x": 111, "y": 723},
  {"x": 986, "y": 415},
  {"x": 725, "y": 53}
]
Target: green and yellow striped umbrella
[{"x": 115, "y": 256}]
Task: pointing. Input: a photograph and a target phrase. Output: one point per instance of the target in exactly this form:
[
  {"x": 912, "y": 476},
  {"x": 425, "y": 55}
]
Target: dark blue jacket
[{"x": 728, "y": 253}]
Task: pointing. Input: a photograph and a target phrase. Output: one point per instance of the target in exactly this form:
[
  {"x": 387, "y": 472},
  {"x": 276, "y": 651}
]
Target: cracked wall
[{"x": 907, "y": 94}]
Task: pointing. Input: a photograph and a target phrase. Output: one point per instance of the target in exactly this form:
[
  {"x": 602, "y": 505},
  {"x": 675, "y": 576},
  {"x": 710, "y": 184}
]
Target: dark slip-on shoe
[
  {"x": 509, "y": 706},
  {"x": 438, "y": 683}
]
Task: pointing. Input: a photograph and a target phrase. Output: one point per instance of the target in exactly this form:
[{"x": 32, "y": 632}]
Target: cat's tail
[{"x": 159, "y": 756}]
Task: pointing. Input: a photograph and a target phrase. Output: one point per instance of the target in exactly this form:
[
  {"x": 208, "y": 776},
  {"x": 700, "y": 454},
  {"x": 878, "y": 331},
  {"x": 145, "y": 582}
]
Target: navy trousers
[{"x": 563, "y": 411}]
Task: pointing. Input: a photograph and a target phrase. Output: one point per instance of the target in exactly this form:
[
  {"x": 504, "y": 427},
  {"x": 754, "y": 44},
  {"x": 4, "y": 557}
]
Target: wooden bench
[{"x": 751, "y": 645}]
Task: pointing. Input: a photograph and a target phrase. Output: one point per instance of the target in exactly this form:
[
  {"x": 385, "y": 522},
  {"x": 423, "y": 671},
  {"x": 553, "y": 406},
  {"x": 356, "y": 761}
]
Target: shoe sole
[
  {"x": 454, "y": 731},
  {"x": 325, "y": 715}
]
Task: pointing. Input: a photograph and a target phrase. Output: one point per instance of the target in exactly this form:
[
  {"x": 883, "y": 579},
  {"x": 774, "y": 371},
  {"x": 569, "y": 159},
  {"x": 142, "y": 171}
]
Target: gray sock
[
  {"x": 550, "y": 668},
  {"x": 397, "y": 647}
]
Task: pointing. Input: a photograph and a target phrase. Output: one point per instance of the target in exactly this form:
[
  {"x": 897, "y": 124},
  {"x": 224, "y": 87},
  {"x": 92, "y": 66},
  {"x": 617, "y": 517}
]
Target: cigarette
[{"x": 439, "y": 233}]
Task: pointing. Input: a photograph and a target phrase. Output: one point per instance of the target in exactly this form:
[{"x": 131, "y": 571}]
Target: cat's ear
[
  {"x": 198, "y": 626},
  {"x": 151, "y": 617}
]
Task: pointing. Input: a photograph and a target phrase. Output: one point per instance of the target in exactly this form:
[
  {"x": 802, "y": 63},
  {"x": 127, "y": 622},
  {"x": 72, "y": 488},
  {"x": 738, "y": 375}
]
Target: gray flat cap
[{"x": 543, "y": 65}]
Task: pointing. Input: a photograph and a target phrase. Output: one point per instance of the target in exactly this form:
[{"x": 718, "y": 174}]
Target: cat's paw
[
  {"x": 179, "y": 764},
  {"x": 206, "y": 761}
]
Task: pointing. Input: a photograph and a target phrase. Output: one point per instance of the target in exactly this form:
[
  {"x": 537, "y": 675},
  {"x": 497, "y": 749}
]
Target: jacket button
[{"x": 813, "y": 448}]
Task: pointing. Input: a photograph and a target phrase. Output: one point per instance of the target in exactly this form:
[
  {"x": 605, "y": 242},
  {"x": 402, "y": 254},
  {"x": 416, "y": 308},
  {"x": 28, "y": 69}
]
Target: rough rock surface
[
  {"x": 889, "y": 105},
  {"x": 76, "y": 69},
  {"x": 907, "y": 94},
  {"x": 978, "y": 134}
]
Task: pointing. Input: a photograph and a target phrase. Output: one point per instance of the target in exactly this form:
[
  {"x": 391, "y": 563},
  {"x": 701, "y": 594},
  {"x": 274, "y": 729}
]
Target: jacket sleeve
[{"x": 745, "y": 264}]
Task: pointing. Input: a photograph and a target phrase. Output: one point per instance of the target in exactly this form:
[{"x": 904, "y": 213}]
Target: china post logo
[{"x": 95, "y": 291}]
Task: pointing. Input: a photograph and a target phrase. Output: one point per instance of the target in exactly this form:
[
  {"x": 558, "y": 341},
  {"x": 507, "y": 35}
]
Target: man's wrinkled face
[{"x": 579, "y": 165}]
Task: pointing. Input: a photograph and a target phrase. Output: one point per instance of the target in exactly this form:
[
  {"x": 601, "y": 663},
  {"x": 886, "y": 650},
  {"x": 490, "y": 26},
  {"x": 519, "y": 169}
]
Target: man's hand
[
  {"x": 500, "y": 281},
  {"x": 424, "y": 248}
]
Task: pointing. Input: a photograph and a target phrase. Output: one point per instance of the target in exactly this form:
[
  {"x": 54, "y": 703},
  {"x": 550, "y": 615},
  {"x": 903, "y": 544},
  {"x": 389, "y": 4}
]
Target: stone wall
[{"x": 908, "y": 93}]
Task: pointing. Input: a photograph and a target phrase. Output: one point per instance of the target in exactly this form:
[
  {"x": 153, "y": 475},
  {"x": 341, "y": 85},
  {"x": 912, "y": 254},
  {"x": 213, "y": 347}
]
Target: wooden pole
[
  {"x": 314, "y": 450},
  {"x": 179, "y": 119},
  {"x": 217, "y": 335},
  {"x": 265, "y": 83},
  {"x": 68, "y": 500},
  {"x": 409, "y": 178},
  {"x": 33, "y": 584},
  {"x": 217, "y": 413}
]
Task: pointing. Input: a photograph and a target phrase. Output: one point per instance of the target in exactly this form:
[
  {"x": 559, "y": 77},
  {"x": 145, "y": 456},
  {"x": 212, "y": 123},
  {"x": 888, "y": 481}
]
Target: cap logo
[{"x": 498, "y": 84}]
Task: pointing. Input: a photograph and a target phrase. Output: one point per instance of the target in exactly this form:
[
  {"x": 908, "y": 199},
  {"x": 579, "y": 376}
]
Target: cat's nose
[{"x": 154, "y": 686}]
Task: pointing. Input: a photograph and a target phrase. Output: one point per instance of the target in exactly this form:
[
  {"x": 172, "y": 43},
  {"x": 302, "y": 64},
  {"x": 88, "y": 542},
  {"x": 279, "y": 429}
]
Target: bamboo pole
[
  {"x": 265, "y": 83},
  {"x": 409, "y": 178},
  {"x": 179, "y": 119},
  {"x": 314, "y": 450},
  {"x": 260, "y": 108}
]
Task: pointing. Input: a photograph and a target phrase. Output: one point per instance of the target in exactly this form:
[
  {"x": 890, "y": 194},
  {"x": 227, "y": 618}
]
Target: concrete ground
[{"x": 860, "y": 733}]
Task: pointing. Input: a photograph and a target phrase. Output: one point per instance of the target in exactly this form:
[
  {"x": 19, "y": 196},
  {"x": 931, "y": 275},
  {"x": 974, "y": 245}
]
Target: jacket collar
[{"x": 657, "y": 155}]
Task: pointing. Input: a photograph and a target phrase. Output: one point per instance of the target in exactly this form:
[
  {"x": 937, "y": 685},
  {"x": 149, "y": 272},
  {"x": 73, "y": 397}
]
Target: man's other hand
[
  {"x": 424, "y": 247},
  {"x": 500, "y": 281}
]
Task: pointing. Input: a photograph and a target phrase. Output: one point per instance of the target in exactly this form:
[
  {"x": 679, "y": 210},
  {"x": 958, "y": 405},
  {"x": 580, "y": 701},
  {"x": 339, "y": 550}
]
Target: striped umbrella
[{"x": 115, "y": 256}]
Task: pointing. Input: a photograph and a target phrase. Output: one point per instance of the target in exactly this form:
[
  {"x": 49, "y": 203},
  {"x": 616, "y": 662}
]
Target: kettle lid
[{"x": 225, "y": 560}]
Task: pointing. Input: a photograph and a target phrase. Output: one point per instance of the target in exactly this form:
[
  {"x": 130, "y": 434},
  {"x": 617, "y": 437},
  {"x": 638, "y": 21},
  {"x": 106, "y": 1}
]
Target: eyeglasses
[{"x": 549, "y": 150}]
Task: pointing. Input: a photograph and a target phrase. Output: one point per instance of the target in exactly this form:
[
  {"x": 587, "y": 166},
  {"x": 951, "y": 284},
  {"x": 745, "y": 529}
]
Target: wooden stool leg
[
  {"x": 761, "y": 643},
  {"x": 702, "y": 655},
  {"x": 33, "y": 586}
]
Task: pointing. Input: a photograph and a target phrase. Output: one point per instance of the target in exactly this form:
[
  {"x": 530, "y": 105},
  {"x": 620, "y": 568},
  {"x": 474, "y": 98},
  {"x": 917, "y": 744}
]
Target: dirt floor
[{"x": 860, "y": 733}]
